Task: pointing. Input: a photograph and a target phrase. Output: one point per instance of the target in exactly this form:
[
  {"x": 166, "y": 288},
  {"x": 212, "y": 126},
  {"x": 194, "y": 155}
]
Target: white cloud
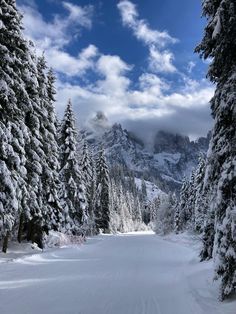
[
  {"x": 58, "y": 32},
  {"x": 53, "y": 37},
  {"x": 79, "y": 15},
  {"x": 191, "y": 66},
  {"x": 69, "y": 65},
  {"x": 152, "y": 83},
  {"x": 113, "y": 70},
  {"x": 140, "y": 27},
  {"x": 152, "y": 100},
  {"x": 149, "y": 36},
  {"x": 159, "y": 60},
  {"x": 129, "y": 13},
  {"x": 112, "y": 66}
]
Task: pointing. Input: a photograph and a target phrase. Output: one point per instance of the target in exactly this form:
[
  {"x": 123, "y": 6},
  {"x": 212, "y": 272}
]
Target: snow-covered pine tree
[
  {"x": 119, "y": 206},
  {"x": 165, "y": 215},
  {"x": 174, "y": 205},
  {"x": 129, "y": 211},
  {"x": 219, "y": 44},
  {"x": 154, "y": 206},
  {"x": 102, "y": 198},
  {"x": 190, "y": 204},
  {"x": 16, "y": 81},
  {"x": 144, "y": 190},
  {"x": 200, "y": 205},
  {"x": 52, "y": 216},
  {"x": 131, "y": 185},
  {"x": 72, "y": 191},
  {"x": 89, "y": 180},
  {"x": 181, "y": 216},
  {"x": 208, "y": 235},
  {"x": 123, "y": 210},
  {"x": 113, "y": 208},
  {"x": 33, "y": 217},
  {"x": 177, "y": 220},
  {"x": 136, "y": 212}
]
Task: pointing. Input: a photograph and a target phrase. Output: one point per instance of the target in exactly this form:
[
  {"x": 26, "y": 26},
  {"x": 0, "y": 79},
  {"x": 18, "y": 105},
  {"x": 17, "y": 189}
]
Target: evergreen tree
[
  {"x": 201, "y": 196},
  {"x": 52, "y": 217},
  {"x": 177, "y": 220},
  {"x": 33, "y": 212},
  {"x": 208, "y": 235},
  {"x": 16, "y": 81},
  {"x": 89, "y": 180},
  {"x": 136, "y": 209},
  {"x": 114, "y": 222},
  {"x": 219, "y": 44},
  {"x": 165, "y": 215},
  {"x": 144, "y": 190},
  {"x": 88, "y": 172},
  {"x": 42, "y": 210},
  {"x": 190, "y": 201},
  {"x": 182, "y": 213},
  {"x": 102, "y": 200},
  {"x": 72, "y": 192},
  {"x": 154, "y": 207}
]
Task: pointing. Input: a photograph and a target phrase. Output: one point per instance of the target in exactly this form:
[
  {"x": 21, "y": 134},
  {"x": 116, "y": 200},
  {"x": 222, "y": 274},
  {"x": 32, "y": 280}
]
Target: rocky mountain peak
[{"x": 172, "y": 157}]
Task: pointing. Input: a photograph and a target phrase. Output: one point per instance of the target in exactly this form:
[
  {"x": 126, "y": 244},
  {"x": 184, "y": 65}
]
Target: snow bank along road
[{"x": 124, "y": 274}]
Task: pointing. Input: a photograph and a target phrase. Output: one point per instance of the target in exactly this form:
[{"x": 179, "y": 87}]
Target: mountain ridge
[{"x": 172, "y": 156}]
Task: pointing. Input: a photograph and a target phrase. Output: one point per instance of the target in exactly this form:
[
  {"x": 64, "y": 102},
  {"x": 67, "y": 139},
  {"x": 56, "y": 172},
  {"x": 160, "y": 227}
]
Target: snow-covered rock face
[
  {"x": 152, "y": 189},
  {"x": 170, "y": 159}
]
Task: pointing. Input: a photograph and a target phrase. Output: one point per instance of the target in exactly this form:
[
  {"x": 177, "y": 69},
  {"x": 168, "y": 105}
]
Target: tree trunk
[
  {"x": 20, "y": 229},
  {"x": 5, "y": 242},
  {"x": 30, "y": 230}
]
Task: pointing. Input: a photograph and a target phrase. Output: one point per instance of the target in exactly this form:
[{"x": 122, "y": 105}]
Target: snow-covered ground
[{"x": 135, "y": 273}]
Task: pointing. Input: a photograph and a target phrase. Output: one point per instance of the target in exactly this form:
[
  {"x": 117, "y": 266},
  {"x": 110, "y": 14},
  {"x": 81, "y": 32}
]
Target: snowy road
[{"x": 126, "y": 274}]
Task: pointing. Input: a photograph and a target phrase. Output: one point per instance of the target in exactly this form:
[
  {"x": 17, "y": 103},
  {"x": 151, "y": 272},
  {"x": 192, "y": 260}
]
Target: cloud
[
  {"x": 152, "y": 83},
  {"x": 191, "y": 66},
  {"x": 151, "y": 106},
  {"x": 69, "y": 65},
  {"x": 52, "y": 37},
  {"x": 113, "y": 70},
  {"x": 61, "y": 29},
  {"x": 159, "y": 60},
  {"x": 140, "y": 27},
  {"x": 79, "y": 15},
  {"x": 144, "y": 105},
  {"x": 107, "y": 93},
  {"x": 186, "y": 121}
]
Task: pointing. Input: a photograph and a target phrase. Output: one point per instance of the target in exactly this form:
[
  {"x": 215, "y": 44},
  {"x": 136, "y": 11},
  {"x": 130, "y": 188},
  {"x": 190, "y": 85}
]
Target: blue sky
[{"x": 133, "y": 60}]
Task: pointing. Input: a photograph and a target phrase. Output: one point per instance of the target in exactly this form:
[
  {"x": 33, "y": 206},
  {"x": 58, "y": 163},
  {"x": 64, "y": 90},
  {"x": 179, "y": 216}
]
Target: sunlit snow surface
[{"x": 135, "y": 273}]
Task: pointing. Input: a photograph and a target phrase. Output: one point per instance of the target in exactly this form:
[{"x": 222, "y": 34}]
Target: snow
[
  {"x": 168, "y": 178},
  {"x": 163, "y": 157},
  {"x": 133, "y": 273},
  {"x": 153, "y": 190},
  {"x": 16, "y": 250},
  {"x": 59, "y": 239},
  {"x": 217, "y": 28}
]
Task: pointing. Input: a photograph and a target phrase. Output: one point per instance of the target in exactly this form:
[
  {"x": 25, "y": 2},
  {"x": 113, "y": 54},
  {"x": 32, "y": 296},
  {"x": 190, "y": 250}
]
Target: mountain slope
[{"x": 172, "y": 156}]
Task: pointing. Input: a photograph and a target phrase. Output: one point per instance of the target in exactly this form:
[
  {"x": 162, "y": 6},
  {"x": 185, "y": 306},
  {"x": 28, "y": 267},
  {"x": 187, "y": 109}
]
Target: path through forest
[{"x": 136, "y": 273}]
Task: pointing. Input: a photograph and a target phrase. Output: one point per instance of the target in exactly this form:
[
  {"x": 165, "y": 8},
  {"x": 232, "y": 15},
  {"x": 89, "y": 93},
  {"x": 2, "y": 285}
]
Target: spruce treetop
[{"x": 219, "y": 42}]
